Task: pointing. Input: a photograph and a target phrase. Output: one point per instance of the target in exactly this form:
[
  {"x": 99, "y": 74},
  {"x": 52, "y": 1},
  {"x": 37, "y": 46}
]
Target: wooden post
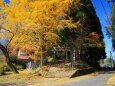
[
  {"x": 54, "y": 53},
  {"x": 111, "y": 60},
  {"x": 79, "y": 57},
  {"x": 41, "y": 57},
  {"x": 74, "y": 56},
  {"x": 66, "y": 55}
]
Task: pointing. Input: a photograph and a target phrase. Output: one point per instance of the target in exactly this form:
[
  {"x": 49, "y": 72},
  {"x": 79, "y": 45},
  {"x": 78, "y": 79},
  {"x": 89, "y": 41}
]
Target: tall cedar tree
[
  {"x": 94, "y": 53},
  {"x": 113, "y": 24},
  {"x": 88, "y": 36}
]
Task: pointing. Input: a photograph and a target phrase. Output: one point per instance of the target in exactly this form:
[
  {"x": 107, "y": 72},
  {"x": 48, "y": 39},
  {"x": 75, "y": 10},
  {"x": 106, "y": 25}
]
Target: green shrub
[
  {"x": 50, "y": 59},
  {"x": 2, "y": 72},
  {"x": 3, "y": 68},
  {"x": 19, "y": 67},
  {"x": 18, "y": 62}
]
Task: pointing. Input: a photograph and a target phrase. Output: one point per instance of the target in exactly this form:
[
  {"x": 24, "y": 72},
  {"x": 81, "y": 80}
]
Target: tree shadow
[{"x": 104, "y": 71}]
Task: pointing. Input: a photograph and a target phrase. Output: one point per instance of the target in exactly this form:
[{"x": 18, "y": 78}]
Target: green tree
[
  {"x": 112, "y": 27},
  {"x": 87, "y": 36}
]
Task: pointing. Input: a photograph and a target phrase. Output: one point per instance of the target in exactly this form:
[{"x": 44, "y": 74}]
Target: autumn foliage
[{"x": 34, "y": 25}]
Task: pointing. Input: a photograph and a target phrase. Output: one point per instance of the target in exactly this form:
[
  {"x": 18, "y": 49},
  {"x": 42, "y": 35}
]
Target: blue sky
[
  {"x": 7, "y": 1},
  {"x": 103, "y": 20}
]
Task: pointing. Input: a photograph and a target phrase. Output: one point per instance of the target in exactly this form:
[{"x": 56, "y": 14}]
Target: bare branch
[
  {"x": 11, "y": 37},
  {"x": 6, "y": 30}
]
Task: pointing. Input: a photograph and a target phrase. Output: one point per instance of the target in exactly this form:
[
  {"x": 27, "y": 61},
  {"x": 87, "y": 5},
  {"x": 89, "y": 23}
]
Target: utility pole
[
  {"x": 111, "y": 59},
  {"x": 114, "y": 61}
]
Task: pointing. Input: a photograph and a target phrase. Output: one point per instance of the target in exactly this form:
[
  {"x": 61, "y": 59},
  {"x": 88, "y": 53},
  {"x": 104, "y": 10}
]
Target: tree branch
[{"x": 9, "y": 32}]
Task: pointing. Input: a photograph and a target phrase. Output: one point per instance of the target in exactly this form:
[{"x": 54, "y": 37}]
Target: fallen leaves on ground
[
  {"x": 32, "y": 79},
  {"x": 111, "y": 81}
]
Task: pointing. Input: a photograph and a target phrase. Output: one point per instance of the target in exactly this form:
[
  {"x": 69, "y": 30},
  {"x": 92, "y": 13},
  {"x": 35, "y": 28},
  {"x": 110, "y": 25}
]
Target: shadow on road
[{"x": 105, "y": 71}]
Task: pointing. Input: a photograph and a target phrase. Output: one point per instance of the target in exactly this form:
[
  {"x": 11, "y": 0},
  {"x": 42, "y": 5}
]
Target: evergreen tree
[
  {"x": 87, "y": 35},
  {"x": 113, "y": 25},
  {"x": 95, "y": 53}
]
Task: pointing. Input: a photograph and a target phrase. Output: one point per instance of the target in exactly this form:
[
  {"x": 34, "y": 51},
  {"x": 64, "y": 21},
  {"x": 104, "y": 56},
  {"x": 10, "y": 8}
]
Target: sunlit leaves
[{"x": 34, "y": 22}]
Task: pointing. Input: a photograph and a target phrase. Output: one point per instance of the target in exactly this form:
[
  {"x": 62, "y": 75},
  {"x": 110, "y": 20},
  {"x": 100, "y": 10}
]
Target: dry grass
[
  {"x": 33, "y": 79},
  {"x": 111, "y": 81}
]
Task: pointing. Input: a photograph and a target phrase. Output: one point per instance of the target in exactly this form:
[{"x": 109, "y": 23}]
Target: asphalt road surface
[{"x": 98, "y": 80}]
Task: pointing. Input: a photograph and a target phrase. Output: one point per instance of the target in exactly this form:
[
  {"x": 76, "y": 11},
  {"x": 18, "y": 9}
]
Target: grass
[
  {"x": 33, "y": 79},
  {"x": 111, "y": 81}
]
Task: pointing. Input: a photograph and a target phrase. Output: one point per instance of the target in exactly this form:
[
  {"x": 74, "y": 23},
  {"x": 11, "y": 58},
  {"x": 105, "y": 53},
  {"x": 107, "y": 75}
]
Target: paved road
[{"x": 98, "y": 80}]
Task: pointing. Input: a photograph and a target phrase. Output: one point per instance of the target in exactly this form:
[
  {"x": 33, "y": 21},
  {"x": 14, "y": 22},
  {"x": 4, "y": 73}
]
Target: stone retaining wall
[{"x": 81, "y": 72}]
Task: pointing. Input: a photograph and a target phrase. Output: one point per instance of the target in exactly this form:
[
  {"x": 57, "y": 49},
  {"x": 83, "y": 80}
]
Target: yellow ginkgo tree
[
  {"x": 6, "y": 34},
  {"x": 34, "y": 22}
]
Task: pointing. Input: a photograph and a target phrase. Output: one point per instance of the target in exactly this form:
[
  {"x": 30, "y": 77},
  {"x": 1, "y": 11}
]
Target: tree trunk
[{"x": 7, "y": 58}]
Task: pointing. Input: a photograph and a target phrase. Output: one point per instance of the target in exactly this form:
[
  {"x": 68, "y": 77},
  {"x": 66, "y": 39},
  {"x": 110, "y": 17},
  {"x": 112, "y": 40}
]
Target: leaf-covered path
[{"x": 98, "y": 80}]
